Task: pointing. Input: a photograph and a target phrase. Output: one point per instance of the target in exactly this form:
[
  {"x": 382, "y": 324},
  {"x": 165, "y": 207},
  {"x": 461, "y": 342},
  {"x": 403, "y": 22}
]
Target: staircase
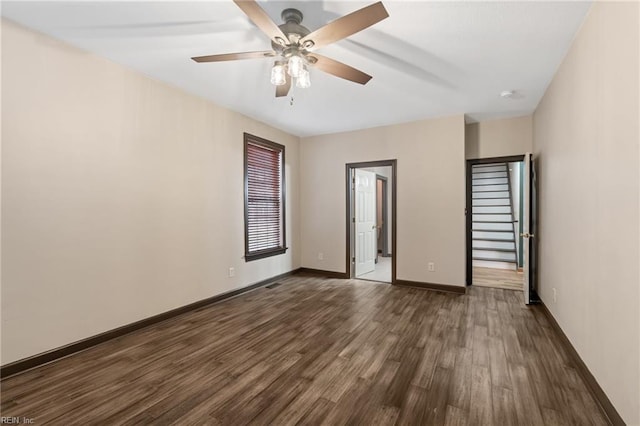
[{"x": 494, "y": 239}]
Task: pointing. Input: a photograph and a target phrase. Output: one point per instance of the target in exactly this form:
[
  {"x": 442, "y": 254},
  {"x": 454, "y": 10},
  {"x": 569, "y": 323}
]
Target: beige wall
[
  {"x": 122, "y": 197},
  {"x": 586, "y": 141},
  {"x": 431, "y": 196},
  {"x": 498, "y": 138}
]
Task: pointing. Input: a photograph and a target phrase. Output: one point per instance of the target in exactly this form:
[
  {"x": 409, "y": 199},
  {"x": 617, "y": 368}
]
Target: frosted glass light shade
[
  {"x": 278, "y": 77},
  {"x": 296, "y": 66},
  {"x": 303, "y": 81}
]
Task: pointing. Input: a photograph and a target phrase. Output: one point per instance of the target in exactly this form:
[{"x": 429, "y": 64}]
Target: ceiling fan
[{"x": 294, "y": 45}]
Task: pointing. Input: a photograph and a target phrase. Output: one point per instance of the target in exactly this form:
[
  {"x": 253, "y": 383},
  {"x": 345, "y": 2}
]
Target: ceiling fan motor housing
[
  {"x": 291, "y": 28},
  {"x": 292, "y": 15}
]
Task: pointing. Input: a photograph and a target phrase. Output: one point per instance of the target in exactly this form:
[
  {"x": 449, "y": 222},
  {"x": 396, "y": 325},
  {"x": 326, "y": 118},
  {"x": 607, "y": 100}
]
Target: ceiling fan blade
[
  {"x": 283, "y": 90},
  {"x": 259, "y": 17},
  {"x": 346, "y": 26},
  {"x": 341, "y": 70},
  {"x": 234, "y": 56}
]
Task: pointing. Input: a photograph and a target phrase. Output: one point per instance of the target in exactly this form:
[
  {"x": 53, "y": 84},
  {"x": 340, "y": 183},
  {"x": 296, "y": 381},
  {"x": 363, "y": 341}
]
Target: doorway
[
  {"x": 371, "y": 220},
  {"x": 495, "y": 222},
  {"x": 500, "y": 224}
]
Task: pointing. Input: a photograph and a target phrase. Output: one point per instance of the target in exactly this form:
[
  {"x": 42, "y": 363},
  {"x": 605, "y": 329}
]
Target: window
[{"x": 263, "y": 198}]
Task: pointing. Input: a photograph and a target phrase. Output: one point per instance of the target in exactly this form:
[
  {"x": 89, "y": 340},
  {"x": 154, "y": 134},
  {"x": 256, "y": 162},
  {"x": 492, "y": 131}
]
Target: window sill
[{"x": 248, "y": 257}]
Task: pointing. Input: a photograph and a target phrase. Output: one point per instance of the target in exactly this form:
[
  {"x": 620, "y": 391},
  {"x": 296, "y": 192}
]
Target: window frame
[{"x": 250, "y": 139}]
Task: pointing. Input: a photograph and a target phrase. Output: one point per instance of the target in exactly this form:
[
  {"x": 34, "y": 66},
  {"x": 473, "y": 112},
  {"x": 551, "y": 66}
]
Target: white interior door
[{"x": 365, "y": 214}]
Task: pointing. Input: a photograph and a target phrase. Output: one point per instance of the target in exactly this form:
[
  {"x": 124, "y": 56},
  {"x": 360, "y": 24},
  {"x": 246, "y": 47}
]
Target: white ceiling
[{"x": 427, "y": 59}]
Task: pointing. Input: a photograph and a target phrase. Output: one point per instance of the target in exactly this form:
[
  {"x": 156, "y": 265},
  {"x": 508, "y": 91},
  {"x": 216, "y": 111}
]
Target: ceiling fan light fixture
[
  {"x": 303, "y": 81},
  {"x": 292, "y": 43},
  {"x": 296, "y": 66},
  {"x": 278, "y": 77}
]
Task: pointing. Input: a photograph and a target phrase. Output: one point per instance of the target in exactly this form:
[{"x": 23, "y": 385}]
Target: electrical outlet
[
  {"x": 431, "y": 266},
  {"x": 232, "y": 272},
  {"x": 320, "y": 256},
  {"x": 555, "y": 295}
]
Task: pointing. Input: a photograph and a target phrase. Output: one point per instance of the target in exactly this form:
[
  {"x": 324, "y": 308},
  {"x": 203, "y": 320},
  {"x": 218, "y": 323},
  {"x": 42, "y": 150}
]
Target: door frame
[
  {"x": 467, "y": 211},
  {"x": 349, "y": 187},
  {"x": 531, "y": 244}
]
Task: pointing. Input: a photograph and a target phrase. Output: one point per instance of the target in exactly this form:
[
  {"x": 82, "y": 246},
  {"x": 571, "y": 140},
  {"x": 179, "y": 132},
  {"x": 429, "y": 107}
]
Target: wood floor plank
[
  {"x": 412, "y": 411},
  {"x": 314, "y": 350},
  {"x": 455, "y": 416},
  {"x": 480, "y": 346},
  {"x": 367, "y": 410},
  {"x": 399, "y": 387},
  {"x": 460, "y": 390},
  {"x": 481, "y": 411},
  {"x": 316, "y": 414},
  {"x": 384, "y": 416},
  {"x": 437, "y": 396},
  {"x": 504, "y": 412},
  {"x": 526, "y": 405},
  {"x": 498, "y": 364},
  {"x": 552, "y": 417}
]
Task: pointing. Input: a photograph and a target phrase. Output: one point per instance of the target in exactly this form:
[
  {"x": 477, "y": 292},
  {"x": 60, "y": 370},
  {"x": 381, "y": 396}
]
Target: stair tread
[
  {"x": 491, "y": 230},
  {"x": 491, "y": 184},
  {"x": 493, "y": 221},
  {"x": 506, "y": 240},
  {"x": 490, "y": 213},
  {"x": 488, "y": 184},
  {"x": 513, "y": 250},
  {"x": 481, "y": 166},
  {"x": 490, "y": 205},
  {"x": 494, "y": 260},
  {"x": 491, "y": 198}
]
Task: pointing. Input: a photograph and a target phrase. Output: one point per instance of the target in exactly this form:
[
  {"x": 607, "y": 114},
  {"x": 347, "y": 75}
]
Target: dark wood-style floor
[{"x": 315, "y": 350}]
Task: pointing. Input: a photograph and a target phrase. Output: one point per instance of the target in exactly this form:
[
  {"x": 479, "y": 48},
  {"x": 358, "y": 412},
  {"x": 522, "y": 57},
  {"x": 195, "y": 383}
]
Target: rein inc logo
[{"x": 16, "y": 421}]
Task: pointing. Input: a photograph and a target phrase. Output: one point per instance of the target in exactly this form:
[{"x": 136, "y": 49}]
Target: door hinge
[
  {"x": 353, "y": 219},
  {"x": 353, "y": 260}
]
